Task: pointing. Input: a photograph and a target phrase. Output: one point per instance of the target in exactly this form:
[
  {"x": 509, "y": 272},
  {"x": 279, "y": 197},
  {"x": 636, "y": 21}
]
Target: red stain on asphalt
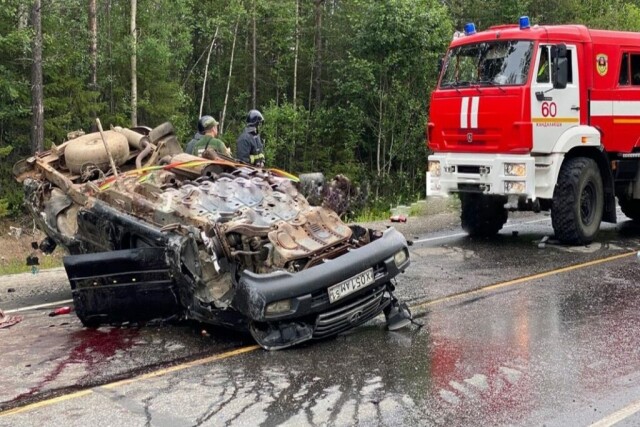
[{"x": 94, "y": 347}]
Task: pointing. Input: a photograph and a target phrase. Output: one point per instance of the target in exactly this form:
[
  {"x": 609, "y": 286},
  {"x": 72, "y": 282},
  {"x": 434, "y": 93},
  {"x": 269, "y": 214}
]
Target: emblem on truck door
[
  {"x": 602, "y": 64},
  {"x": 469, "y": 137}
]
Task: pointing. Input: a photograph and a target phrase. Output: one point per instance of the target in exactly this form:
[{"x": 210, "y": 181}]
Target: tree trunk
[
  {"x": 206, "y": 71},
  {"x": 254, "y": 61},
  {"x": 295, "y": 55},
  {"x": 226, "y": 93},
  {"x": 379, "y": 139},
  {"x": 23, "y": 16},
  {"x": 134, "y": 65},
  {"x": 37, "y": 97},
  {"x": 112, "y": 105},
  {"x": 295, "y": 86},
  {"x": 93, "y": 48},
  {"x": 318, "y": 51}
]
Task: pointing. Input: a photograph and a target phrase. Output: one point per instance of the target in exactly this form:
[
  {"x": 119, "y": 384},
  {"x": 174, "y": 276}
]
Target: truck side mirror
[
  {"x": 560, "y": 73},
  {"x": 559, "y": 51}
]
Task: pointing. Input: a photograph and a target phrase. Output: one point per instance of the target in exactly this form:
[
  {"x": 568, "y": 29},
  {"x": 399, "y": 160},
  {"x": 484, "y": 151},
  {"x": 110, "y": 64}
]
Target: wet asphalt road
[{"x": 499, "y": 346}]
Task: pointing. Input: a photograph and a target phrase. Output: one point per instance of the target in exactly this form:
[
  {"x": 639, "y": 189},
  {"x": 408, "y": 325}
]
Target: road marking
[
  {"x": 519, "y": 280},
  {"x": 47, "y": 402},
  {"x": 115, "y": 384},
  {"x": 618, "y": 416},
  {"x": 35, "y": 307},
  {"x": 448, "y": 236},
  {"x": 183, "y": 366}
]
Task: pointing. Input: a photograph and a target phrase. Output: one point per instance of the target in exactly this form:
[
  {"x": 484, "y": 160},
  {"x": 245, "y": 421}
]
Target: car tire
[{"x": 578, "y": 201}]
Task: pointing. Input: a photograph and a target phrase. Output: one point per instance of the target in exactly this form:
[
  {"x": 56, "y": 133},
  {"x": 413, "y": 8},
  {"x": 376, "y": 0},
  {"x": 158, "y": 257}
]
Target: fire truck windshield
[{"x": 494, "y": 63}]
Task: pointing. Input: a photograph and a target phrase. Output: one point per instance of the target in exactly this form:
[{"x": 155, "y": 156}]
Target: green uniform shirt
[{"x": 214, "y": 144}]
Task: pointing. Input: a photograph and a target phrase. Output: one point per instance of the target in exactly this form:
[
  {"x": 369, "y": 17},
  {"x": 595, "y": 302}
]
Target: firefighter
[
  {"x": 250, "y": 148},
  {"x": 543, "y": 69}
]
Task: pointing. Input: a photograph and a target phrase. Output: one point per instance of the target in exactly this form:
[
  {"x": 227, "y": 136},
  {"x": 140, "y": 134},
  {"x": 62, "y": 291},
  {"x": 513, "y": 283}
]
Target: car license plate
[{"x": 351, "y": 285}]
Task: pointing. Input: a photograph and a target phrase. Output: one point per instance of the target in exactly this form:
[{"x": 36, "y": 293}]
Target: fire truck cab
[{"x": 538, "y": 118}]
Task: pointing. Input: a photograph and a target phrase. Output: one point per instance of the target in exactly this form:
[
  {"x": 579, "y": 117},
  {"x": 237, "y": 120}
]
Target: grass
[
  {"x": 371, "y": 214},
  {"x": 16, "y": 266}
]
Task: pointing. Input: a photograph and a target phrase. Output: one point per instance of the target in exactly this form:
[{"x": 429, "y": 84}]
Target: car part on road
[
  {"x": 7, "y": 321},
  {"x": 59, "y": 311},
  {"x": 171, "y": 235}
]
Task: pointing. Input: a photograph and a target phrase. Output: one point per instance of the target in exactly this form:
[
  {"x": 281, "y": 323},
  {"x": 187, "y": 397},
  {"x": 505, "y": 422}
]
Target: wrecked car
[{"x": 155, "y": 233}]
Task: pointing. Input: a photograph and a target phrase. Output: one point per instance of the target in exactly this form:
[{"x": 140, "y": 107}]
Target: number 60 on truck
[{"x": 539, "y": 118}]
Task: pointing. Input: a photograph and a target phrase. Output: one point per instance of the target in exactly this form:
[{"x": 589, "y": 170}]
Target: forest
[{"x": 343, "y": 85}]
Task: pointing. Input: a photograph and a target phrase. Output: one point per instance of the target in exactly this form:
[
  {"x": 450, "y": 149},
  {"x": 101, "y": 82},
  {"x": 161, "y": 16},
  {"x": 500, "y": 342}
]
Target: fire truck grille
[{"x": 469, "y": 169}]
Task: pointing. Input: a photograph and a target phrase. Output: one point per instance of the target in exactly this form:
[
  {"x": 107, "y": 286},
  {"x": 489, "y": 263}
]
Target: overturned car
[{"x": 153, "y": 232}]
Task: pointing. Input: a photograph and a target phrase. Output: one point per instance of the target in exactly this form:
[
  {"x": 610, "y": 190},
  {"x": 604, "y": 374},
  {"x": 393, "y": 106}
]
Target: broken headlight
[
  {"x": 400, "y": 258},
  {"x": 278, "y": 307}
]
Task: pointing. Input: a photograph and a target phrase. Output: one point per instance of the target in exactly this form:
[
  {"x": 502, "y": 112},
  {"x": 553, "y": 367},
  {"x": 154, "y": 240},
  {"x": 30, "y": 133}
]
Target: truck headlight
[
  {"x": 278, "y": 307},
  {"x": 400, "y": 257},
  {"x": 515, "y": 169},
  {"x": 515, "y": 187},
  {"x": 434, "y": 167}
]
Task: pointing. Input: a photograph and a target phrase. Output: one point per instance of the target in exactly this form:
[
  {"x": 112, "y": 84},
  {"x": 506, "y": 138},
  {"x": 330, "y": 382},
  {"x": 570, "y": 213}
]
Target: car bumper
[{"x": 308, "y": 290}]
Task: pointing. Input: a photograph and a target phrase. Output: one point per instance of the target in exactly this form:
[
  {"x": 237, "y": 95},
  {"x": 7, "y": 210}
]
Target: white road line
[
  {"x": 448, "y": 236},
  {"x": 35, "y": 307},
  {"x": 618, "y": 416}
]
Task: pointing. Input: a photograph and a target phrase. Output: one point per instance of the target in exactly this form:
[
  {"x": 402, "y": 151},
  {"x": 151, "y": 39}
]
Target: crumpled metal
[{"x": 7, "y": 321}]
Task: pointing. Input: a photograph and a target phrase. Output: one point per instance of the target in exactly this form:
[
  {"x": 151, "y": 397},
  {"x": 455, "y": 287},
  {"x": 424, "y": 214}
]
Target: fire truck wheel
[
  {"x": 578, "y": 201},
  {"x": 482, "y": 216},
  {"x": 630, "y": 207}
]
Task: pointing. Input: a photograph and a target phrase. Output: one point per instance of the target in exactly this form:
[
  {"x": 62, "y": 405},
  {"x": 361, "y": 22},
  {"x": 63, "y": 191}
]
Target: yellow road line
[
  {"x": 114, "y": 384},
  {"x": 44, "y": 403},
  {"x": 536, "y": 276},
  {"x": 248, "y": 349},
  {"x": 182, "y": 366}
]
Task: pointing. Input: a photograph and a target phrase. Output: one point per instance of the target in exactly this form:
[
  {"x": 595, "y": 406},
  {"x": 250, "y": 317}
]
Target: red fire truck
[{"x": 538, "y": 118}]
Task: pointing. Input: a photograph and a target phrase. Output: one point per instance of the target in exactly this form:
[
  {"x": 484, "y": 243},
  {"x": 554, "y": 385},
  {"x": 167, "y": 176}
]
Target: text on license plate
[{"x": 351, "y": 285}]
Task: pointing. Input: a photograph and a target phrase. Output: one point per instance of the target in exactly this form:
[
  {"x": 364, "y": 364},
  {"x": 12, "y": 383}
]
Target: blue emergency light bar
[
  {"x": 524, "y": 23},
  {"x": 469, "y": 29}
]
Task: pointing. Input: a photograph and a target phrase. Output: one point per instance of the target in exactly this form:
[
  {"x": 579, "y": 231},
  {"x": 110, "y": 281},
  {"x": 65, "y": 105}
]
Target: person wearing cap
[
  {"x": 196, "y": 137},
  {"x": 249, "y": 146},
  {"x": 209, "y": 140}
]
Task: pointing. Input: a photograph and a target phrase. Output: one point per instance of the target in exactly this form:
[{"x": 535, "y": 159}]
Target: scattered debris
[
  {"x": 398, "y": 218},
  {"x": 60, "y": 310},
  {"x": 11, "y": 290},
  {"x": 7, "y": 321},
  {"x": 543, "y": 243},
  {"x": 15, "y": 232}
]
